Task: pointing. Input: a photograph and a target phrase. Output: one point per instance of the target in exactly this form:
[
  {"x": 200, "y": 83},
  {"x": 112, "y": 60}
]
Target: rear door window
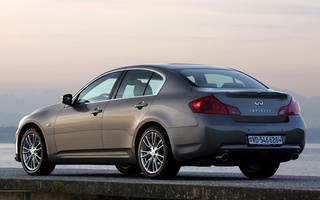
[
  {"x": 155, "y": 84},
  {"x": 139, "y": 83}
]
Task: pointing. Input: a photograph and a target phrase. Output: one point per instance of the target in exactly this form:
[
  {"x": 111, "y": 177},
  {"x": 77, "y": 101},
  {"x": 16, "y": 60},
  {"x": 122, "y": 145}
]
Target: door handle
[
  {"x": 96, "y": 111},
  {"x": 141, "y": 105}
]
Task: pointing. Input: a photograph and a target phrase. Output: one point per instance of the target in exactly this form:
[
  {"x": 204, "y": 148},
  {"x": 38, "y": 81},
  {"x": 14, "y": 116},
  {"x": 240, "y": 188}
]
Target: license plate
[{"x": 265, "y": 140}]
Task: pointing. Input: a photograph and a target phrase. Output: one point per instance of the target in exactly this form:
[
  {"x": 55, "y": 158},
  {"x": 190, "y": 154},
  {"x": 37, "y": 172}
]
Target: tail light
[
  {"x": 292, "y": 109},
  {"x": 211, "y": 105}
]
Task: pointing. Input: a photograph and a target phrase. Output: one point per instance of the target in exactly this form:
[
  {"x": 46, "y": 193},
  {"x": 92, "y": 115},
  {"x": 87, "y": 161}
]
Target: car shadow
[{"x": 181, "y": 176}]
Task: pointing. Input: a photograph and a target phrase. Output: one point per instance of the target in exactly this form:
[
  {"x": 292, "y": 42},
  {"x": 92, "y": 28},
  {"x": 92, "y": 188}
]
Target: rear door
[{"x": 123, "y": 113}]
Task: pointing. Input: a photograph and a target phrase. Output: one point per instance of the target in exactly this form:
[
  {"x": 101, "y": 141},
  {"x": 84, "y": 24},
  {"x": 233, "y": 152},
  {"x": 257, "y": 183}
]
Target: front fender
[{"x": 44, "y": 120}]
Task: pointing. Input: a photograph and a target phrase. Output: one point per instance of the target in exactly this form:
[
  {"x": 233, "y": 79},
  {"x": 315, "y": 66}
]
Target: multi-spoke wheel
[
  {"x": 259, "y": 169},
  {"x": 33, "y": 154},
  {"x": 155, "y": 155}
]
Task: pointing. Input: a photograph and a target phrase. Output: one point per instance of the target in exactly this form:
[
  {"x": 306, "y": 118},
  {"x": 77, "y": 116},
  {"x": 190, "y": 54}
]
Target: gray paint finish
[{"x": 108, "y": 131}]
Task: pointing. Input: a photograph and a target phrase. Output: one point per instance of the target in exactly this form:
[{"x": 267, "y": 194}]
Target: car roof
[{"x": 173, "y": 66}]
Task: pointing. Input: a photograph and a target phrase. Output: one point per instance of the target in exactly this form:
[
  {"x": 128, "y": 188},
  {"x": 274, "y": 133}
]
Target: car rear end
[
  {"x": 254, "y": 125},
  {"x": 240, "y": 119}
]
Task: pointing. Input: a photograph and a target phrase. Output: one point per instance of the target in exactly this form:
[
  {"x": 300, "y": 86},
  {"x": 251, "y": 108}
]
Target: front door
[
  {"x": 78, "y": 127},
  {"x": 78, "y": 130}
]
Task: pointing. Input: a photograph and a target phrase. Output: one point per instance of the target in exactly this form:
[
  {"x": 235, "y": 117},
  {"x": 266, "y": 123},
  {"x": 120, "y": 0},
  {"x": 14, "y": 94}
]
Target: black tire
[
  {"x": 155, "y": 156},
  {"x": 129, "y": 169},
  {"x": 33, "y": 153},
  {"x": 258, "y": 170}
]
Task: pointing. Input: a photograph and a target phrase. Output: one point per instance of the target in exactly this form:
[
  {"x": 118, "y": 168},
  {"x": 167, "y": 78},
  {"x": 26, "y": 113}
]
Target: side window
[
  {"x": 154, "y": 84},
  {"x": 139, "y": 83},
  {"x": 191, "y": 78},
  {"x": 99, "y": 90}
]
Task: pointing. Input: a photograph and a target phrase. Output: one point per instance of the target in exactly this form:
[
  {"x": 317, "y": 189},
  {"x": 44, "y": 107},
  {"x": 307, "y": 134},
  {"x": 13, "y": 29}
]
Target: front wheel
[
  {"x": 155, "y": 155},
  {"x": 33, "y": 154},
  {"x": 259, "y": 170}
]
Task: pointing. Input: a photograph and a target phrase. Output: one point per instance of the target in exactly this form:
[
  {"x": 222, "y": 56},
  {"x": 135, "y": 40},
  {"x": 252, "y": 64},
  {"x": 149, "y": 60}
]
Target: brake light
[
  {"x": 292, "y": 109},
  {"x": 212, "y": 105}
]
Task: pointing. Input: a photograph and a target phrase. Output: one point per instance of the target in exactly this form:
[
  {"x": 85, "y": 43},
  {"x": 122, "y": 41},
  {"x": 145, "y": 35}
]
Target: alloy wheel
[
  {"x": 151, "y": 152},
  {"x": 32, "y": 151}
]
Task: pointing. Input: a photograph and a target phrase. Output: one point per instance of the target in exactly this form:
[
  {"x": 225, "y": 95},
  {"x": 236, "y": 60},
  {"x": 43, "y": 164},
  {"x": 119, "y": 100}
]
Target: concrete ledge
[{"x": 59, "y": 189}]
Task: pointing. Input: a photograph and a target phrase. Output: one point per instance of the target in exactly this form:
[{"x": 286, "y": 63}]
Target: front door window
[{"x": 99, "y": 90}]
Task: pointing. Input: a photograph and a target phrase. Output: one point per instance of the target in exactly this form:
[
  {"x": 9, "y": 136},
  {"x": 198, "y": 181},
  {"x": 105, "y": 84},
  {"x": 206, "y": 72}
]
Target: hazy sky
[{"x": 63, "y": 44}]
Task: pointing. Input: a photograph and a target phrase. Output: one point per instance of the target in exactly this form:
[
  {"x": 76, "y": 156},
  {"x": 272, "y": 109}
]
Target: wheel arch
[
  {"x": 21, "y": 133},
  {"x": 142, "y": 129}
]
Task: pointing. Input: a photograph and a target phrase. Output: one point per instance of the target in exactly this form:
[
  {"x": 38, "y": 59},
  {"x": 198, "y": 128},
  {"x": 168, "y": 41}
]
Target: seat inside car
[{"x": 142, "y": 89}]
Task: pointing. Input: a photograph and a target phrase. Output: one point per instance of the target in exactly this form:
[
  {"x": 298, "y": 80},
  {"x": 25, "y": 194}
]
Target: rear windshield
[{"x": 219, "y": 78}]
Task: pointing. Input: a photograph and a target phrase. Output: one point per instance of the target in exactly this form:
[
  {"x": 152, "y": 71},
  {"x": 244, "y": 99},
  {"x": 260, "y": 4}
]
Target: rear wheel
[
  {"x": 155, "y": 155},
  {"x": 33, "y": 153},
  {"x": 259, "y": 170},
  {"x": 129, "y": 169}
]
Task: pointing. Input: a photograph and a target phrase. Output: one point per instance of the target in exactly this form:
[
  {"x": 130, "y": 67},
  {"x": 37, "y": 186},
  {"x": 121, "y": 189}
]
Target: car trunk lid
[{"x": 256, "y": 106}]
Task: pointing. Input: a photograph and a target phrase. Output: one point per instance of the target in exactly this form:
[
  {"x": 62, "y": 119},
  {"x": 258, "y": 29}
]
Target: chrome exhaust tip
[{"x": 223, "y": 157}]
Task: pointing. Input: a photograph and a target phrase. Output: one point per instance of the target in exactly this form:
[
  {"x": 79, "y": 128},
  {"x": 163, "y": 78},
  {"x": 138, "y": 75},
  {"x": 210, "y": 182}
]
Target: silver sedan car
[{"x": 156, "y": 118}]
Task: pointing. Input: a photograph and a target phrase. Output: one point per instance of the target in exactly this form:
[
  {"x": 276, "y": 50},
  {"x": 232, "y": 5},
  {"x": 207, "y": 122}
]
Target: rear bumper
[{"x": 219, "y": 134}]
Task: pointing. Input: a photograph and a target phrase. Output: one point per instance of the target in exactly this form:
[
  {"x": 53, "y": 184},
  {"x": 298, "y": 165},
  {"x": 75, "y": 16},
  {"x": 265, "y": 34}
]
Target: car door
[
  {"x": 78, "y": 127},
  {"x": 123, "y": 113}
]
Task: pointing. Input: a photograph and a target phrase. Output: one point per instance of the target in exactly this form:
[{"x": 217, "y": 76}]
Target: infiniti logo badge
[{"x": 258, "y": 103}]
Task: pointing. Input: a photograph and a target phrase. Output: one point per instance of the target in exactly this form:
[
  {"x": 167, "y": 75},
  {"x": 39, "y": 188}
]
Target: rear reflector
[
  {"x": 212, "y": 105},
  {"x": 263, "y": 151}
]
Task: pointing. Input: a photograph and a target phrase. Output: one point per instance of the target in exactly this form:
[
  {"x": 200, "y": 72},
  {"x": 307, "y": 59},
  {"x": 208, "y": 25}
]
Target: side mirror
[{"x": 67, "y": 99}]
